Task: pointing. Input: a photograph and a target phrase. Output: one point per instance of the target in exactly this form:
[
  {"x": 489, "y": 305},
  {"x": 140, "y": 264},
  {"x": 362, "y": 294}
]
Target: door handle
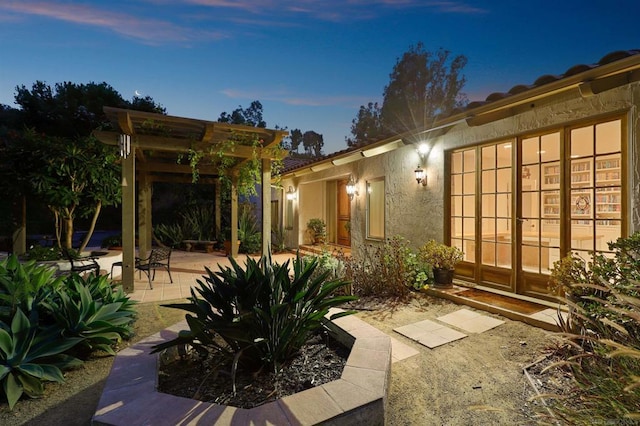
[{"x": 520, "y": 220}]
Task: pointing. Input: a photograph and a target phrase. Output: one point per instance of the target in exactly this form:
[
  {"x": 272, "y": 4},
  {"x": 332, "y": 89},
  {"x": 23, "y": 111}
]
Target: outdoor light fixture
[
  {"x": 421, "y": 176},
  {"x": 291, "y": 194},
  {"x": 351, "y": 188},
  {"x": 124, "y": 143}
]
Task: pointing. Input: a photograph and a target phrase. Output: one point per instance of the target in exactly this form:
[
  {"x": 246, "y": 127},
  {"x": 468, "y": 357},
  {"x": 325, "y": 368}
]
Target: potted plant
[
  {"x": 443, "y": 259},
  {"x": 318, "y": 230}
]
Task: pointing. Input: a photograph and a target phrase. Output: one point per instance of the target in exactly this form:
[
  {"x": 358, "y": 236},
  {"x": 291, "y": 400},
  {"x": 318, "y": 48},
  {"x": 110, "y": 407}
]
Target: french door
[{"x": 518, "y": 205}]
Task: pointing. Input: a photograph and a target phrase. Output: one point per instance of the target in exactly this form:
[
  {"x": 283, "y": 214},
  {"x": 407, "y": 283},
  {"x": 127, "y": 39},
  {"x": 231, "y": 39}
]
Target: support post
[
  {"x": 128, "y": 220},
  {"x": 218, "y": 210},
  {"x": 266, "y": 206},
  {"x": 234, "y": 216},
  {"x": 145, "y": 228}
]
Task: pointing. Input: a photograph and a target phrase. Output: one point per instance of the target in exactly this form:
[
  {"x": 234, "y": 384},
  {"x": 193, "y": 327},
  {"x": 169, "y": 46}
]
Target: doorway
[{"x": 343, "y": 220}]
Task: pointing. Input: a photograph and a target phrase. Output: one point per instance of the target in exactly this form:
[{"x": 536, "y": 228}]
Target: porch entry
[
  {"x": 519, "y": 205},
  {"x": 343, "y": 220}
]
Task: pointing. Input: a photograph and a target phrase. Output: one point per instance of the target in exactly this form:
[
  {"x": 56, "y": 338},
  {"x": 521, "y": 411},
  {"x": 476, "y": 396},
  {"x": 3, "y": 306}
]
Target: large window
[
  {"x": 463, "y": 202},
  {"x": 375, "y": 209}
]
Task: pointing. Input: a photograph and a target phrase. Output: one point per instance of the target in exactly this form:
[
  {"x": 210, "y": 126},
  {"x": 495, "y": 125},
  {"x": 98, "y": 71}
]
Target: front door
[{"x": 344, "y": 214}]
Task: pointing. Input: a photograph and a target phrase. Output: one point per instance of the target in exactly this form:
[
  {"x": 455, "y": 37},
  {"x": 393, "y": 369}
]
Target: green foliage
[
  {"x": 278, "y": 239},
  {"x": 391, "y": 269},
  {"x": 328, "y": 265},
  {"x": 100, "y": 325},
  {"x": 48, "y": 318},
  {"x": 248, "y": 231},
  {"x": 170, "y": 235},
  {"x": 319, "y": 229},
  {"x": 262, "y": 313},
  {"x": 24, "y": 286},
  {"x": 604, "y": 335},
  {"x": 440, "y": 256},
  {"x": 44, "y": 253},
  {"x": 29, "y": 356},
  {"x": 112, "y": 241}
]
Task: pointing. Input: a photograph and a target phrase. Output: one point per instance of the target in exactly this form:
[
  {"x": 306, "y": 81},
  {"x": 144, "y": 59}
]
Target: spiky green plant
[
  {"x": 262, "y": 313},
  {"x": 30, "y": 356}
]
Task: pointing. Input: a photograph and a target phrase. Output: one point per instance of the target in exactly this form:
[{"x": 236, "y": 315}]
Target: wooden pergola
[{"x": 151, "y": 146}]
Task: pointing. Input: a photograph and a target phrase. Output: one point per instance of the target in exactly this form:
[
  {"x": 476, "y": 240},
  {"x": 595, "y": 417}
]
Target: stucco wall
[{"x": 416, "y": 212}]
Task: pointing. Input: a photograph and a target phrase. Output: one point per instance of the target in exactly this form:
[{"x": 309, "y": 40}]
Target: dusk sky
[{"x": 311, "y": 63}]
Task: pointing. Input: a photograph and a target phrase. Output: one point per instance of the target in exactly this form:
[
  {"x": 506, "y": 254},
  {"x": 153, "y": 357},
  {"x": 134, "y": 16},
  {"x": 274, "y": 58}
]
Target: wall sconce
[
  {"x": 124, "y": 143},
  {"x": 351, "y": 188},
  {"x": 291, "y": 194},
  {"x": 421, "y": 176}
]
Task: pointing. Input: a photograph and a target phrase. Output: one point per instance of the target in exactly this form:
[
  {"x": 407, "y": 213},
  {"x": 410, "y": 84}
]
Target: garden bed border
[{"x": 130, "y": 394}]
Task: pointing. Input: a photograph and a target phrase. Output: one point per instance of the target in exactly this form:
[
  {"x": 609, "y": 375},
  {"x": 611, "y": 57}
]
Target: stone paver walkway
[
  {"x": 433, "y": 334},
  {"x": 470, "y": 321}
]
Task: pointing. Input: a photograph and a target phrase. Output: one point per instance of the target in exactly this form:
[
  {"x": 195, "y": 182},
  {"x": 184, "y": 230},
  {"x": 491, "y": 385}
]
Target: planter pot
[{"x": 443, "y": 278}]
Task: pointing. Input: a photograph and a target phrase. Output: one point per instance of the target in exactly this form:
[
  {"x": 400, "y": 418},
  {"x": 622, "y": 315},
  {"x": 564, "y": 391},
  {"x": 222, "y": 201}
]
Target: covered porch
[{"x": 162, "y": 148}]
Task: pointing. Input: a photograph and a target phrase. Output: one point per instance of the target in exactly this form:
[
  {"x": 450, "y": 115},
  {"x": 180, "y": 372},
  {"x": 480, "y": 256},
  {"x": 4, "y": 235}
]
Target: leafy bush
[
  {"x": 112, "y": 241},
  {"x": 170, "y": 235},
  {"x": 49, "y": 316},
  {"x": 99, "y": 325},
  {"x": 388, "y": 270},
  {"x": 24, "y": 286},
  {"x": 261, "y": 314},
  {"x": 30, "y": 355},
  {"x": 199, "y": 222},
  {"x": 248, "y": 231},
  {"x": 327, "y": 264},
  {"x": 40, "y": 253},
  {"x": 604, "y": 351}
]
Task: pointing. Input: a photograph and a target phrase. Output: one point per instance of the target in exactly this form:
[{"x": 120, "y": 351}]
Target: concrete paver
[{"x": 470, "y": 321}]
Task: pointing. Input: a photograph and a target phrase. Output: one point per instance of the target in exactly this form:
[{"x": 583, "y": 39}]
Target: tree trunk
[
  {"x": 68, "y": 231},
  {"x": 92, "y": 227}
]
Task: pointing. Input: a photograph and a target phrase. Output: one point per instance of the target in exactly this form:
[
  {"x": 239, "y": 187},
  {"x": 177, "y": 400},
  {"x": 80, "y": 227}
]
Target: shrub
[
  {"x": 31, "y": 355},
  {"x": 248, "y": 231},
  {"x": 604, "y": 352},
  {"x": 112, "y": 241},
  {"x": 24, "y": 286},
  {"x": 440, "y": 256},
  {"x": 391, "y": 269},
  {"x": 40, "y": 253},
  {"x": 99, "y": 324},
  {"x": 170, "y": 235},
  {"x": 262, "y": 313}
]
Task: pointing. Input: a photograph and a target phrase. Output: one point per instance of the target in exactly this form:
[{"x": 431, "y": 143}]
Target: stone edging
[{"x": 130, "y": 396}]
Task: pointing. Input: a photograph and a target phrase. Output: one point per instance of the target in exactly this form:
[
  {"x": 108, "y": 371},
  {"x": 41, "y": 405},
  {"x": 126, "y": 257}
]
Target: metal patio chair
[{"x": 159, "y": 258}]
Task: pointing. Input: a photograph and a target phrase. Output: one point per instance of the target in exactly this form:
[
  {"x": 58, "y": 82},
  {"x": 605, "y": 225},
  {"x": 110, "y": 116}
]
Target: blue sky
[{"x": 311, "y": 63}]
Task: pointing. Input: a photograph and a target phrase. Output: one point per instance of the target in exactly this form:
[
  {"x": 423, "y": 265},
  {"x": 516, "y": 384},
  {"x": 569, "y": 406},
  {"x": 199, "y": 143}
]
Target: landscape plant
[
  {"x": 440, "y": 256},
  {"x": 248, "y": 230},
  {"x": 390, "y": 269},
  {"x": 258, "y": 315},
  {"x": 45, "y": 321},
  {"x": 318, "y": 229},
  {"x": 603, "y": 353}
]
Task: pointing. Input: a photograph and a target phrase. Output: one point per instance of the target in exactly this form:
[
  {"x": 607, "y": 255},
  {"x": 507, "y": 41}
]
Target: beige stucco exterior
[{"x": 417, "y": 212}]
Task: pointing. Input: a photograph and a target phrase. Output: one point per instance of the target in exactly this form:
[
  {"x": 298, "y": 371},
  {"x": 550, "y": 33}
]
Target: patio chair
[
  {"x": 82, "y": 263},
  {"x": 159, "y": 258}
]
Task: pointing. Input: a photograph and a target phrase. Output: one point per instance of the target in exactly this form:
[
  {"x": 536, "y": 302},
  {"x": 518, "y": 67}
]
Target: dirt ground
[{"x": 477, "y": 380}]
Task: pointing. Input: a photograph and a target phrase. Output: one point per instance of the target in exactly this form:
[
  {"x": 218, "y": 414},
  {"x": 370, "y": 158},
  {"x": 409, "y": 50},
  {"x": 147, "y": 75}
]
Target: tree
[
  {"x": 50, "y": 152},
  {"x": 313, "y": 143},
  {"x": 423, "y": 85},
  {"x": 296, "y": 139},
  {"x": 251, "y": 116},
  {"x": 367, "y": 126}
]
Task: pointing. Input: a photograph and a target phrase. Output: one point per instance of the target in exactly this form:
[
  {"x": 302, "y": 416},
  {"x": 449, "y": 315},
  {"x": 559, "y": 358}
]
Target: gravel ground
[{"x": 473, "y": 381}]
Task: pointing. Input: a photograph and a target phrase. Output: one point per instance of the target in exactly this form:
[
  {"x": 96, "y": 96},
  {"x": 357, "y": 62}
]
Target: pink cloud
[{"x": 150, "y": 31}]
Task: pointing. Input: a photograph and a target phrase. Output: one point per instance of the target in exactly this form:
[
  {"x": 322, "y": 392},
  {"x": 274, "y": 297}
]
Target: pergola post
[
  {"x": 128, "y": 219},
  {"x": 218, "y": 207},
  {"x": 266, "y": 206},
  {"x": 145, "y": 228},
  {"x": 234, "y": 216}
]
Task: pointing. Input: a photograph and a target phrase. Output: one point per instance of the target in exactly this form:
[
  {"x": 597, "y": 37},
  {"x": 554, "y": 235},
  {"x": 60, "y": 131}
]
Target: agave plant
[
  {"x": 259, "y": 315},
  {"x": 29, "y": 356},
  {"x": 24, "y": 286},
  {"x": 99, "y": 325}
]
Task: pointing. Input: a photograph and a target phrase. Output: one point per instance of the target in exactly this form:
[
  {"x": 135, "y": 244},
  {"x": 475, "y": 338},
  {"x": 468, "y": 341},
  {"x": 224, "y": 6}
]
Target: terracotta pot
[{"x": 443, "y": 278}]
